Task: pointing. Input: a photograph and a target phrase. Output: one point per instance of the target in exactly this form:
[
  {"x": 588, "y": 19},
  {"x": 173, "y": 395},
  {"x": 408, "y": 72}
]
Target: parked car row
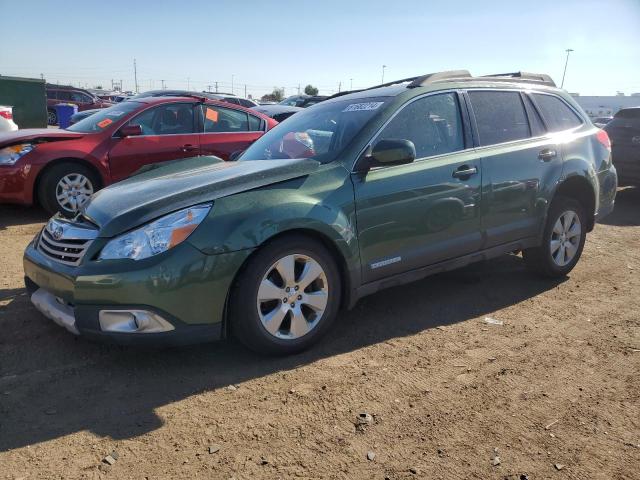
[
  {"x": 62, "y": 94},
  {"x": 61, "y": 169},
  {"x": 360, "y": 192}
]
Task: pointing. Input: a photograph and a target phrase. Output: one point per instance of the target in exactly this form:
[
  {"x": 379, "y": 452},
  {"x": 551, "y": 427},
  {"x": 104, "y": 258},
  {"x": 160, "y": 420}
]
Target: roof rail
[
  {"x": 463, "y": 76},
  {"x": 542, "y": 78},
  {"x": 438, "y": 77}
]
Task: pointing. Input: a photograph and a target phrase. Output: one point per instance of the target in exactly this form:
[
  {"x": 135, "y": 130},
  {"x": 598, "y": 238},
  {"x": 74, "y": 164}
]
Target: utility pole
[
  {"x": 245, "y": 90},
  {"x": 351, "y": 84},
  {"x": 209, "y": 88},
  {"x": 41, "y": 76},
  {"x": 383, "y": 67},
  {"x": 216, "y": 86},
  {"x": 298, "y": 89},
  {"x": 121, "y": 89},
  {"x": 162, "y": 84},
  {"x": 135, "y": 74},
  {"x": 568, "y": 50},
  {"x": 339, "y": 86},
  {"x": 188, "y": 83}
]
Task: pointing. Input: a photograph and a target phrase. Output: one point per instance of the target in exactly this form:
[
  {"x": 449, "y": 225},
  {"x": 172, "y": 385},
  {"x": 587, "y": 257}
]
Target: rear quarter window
[
  {"x": 500, "y": 116},
  {"x": 557, "y": 115}
]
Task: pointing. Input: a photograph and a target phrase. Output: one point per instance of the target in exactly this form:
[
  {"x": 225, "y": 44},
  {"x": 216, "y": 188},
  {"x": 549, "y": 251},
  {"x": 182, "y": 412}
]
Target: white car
[{"x": 6, "y": 119}]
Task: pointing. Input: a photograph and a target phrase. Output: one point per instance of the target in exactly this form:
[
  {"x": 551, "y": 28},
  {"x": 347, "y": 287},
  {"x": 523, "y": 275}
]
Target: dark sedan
[
  {"x": 624, "y": 132},
  {"x": 277, "y": 112}
]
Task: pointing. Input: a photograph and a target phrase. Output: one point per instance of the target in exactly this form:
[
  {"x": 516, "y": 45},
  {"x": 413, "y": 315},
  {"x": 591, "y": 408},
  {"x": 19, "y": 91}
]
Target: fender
[{"x": 322, "y": 205}]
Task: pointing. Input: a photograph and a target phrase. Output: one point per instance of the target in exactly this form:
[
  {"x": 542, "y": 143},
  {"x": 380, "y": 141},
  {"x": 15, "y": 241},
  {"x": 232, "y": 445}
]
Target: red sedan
[{"x": 61, "y": 169}]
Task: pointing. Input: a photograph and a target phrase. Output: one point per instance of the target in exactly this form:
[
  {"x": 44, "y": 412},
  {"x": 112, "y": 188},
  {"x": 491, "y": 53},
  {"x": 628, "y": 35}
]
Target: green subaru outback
[{"x": 364, "y": 191}]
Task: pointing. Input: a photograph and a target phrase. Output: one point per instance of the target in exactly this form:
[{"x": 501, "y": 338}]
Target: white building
[{"x": 605, "y": 106}]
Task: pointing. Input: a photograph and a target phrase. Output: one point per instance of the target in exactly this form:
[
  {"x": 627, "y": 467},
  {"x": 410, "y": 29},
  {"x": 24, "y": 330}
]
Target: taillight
[
  {"x": 604, "y": 140},
  {"x": 6, "y": 114}
]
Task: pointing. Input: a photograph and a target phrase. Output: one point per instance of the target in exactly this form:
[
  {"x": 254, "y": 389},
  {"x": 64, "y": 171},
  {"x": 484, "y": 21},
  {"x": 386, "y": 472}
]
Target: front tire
[
  {"x": 286, "y": 297},
  {"x": 66, "y": 187},
  {"x": 563, "y": 239}
]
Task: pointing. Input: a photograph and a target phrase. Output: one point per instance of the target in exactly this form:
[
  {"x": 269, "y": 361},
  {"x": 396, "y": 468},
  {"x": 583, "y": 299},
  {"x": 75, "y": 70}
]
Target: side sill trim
[{"x": 420, "y": 273}]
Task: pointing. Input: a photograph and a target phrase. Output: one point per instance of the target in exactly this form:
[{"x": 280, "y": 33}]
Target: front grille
[{"x": 65, "y": 242}]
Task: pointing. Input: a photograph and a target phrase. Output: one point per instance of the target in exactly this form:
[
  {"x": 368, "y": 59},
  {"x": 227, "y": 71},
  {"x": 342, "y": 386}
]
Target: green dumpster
[{"x": 28, "y": 98}]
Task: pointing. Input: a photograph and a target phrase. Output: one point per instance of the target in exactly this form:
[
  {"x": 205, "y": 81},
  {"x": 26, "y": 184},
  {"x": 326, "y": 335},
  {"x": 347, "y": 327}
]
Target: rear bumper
[
  {"x": 184, "y": 287},
  {"x": 608, "y": 181}
]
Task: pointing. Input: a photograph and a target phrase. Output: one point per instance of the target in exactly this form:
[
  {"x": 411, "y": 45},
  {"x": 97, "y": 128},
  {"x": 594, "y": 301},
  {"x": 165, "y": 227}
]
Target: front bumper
[
  {"x": 16, "y": 183},
  {"x": 183, "y": 286}
]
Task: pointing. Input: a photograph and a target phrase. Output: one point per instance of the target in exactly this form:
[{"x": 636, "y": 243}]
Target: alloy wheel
[
  {"x": 292, "y": 296},
  {"x": 565, "y": 238},
  {"x": 73, "y": 191}
]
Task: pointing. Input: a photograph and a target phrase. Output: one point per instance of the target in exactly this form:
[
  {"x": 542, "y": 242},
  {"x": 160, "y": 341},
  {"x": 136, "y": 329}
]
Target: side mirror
[
  {"x": 391, "y": 151},
  {"x": 130, "y": 131}
]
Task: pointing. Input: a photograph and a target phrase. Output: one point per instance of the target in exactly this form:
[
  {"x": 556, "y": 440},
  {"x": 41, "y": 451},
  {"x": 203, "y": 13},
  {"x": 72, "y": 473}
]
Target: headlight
[
  {"x": 10, "y": 155},
  {"x": 157, "y": 236}
]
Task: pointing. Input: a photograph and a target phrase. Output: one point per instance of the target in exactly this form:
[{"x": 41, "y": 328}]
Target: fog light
[{"x": 132, "y": 321}]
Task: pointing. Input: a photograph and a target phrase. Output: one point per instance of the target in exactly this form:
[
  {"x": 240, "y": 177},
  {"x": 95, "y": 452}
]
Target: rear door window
[
  {"x": 432, "y": 123},
  {"x": 222, "y": 120},
  {"x": 557, "y": 114},
  {"x": 500, "y": 116}
]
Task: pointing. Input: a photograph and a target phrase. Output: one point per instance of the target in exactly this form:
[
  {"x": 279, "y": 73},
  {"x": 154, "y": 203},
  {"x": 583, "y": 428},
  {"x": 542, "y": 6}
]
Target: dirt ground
[{"x": 554, "y": 390}]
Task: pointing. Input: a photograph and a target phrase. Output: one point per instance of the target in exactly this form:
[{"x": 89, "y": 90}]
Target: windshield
[
  {"x": 98, "y": 121},
  {"x": 319, "y": 133}
]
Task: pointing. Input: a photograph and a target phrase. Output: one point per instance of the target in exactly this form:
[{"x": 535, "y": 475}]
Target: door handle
[
  {"x": 547, "y": 154},
  {"x": 465, "y": 171},
  {"x": 188, "y": 148}
]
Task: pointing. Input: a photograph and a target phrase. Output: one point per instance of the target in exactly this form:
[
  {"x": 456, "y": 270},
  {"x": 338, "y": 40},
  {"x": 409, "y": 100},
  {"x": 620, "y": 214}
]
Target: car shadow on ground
[
  {"x": 627, "y": 210},
  {"x": 114, "y": 391},
  {"x": 13, "y": 215}
]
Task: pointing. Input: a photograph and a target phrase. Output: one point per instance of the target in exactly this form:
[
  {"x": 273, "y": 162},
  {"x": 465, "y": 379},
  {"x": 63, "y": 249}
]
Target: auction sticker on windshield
[
  {"x": 359, "y": 107},
  {"x": 105, "y": 123}
]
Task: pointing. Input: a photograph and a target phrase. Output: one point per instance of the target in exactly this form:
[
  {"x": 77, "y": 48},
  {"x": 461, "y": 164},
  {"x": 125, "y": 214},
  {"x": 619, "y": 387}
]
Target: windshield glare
[
  {"x": 101, "y": 120},
  {"x": 319, "y": 133}
]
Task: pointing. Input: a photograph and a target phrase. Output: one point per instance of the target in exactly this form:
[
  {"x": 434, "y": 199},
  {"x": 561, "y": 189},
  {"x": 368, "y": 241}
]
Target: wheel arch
[
  {"x": 580, "y": 189},
  {"x": 59, "y": 161},
  {"x": 347, "y": 282}
]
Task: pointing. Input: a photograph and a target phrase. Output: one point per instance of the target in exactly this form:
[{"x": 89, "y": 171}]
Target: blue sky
[{"x": 285, "y": 43}]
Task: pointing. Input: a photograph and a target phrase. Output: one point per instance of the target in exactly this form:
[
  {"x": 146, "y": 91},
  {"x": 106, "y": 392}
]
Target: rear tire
[
  {"x": 66, "y": 187},
  {"x": 562, "y": 242},
  {"x": 268, "y": 318}
]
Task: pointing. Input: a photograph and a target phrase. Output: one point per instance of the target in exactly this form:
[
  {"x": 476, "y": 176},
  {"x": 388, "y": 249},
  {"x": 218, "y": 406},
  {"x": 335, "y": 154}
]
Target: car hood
[
  {"x": 179, "y": 184},
  {"x": 40, "y": 134}
]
